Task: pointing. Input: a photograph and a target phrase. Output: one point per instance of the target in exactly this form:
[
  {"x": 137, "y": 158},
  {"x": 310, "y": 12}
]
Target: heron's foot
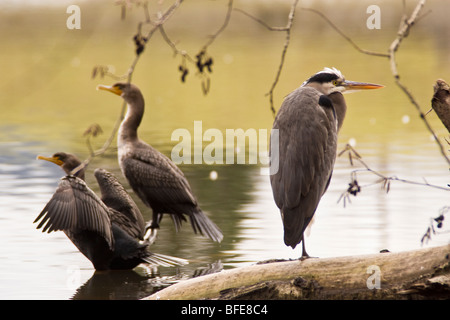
[
  {"x": 305, "y": 255},
  {"x": 303, "y": 258}
]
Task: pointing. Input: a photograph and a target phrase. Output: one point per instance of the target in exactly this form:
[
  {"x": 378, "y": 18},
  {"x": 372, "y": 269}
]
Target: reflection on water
[
  {"x": 119, "y": 285},
  {"x": 47, "y": 266},
  {"x": 61, "y": 102}
]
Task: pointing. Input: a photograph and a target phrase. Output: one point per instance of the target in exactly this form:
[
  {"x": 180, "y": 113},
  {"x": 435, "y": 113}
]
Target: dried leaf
[
  {"x": 93, "y": 130},
  {"x": 205, "y": 86},
  {"x": 94, "y": 72}
]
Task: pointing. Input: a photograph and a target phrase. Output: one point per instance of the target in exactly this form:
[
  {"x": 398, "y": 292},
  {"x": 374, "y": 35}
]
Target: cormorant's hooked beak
[
  {"x": 55, "y": 160},
  {"x": 351, "y": 86},
  {"x": 113, "y": 89}
]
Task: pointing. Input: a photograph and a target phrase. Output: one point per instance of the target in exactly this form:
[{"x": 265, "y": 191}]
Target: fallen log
[{"x": 418, "y": 274}]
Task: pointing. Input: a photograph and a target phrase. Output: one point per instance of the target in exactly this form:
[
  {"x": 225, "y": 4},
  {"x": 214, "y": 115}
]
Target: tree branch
[
  {"x": 400, "y": 277},
  {"x": 261, "y": 22},
  {"x": 203, "y": 61},
  {"x": 403, "y": 32},
  {"x": 287, "y": 29},
  {"x": 347, "y": 38},
  {"x": 354, "y": 186},
  {"x": 164, "y": 17},
  {"x": 222, "y": 28}
]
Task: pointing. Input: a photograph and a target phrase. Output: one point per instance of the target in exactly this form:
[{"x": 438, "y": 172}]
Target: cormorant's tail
[
  {"x": 202, "y": 224},
  {"x": 164, "y": 260}
]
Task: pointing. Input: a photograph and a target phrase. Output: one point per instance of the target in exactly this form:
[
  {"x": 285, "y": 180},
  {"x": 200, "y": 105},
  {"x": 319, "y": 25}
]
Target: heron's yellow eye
[{"x": 335, "y": 82}]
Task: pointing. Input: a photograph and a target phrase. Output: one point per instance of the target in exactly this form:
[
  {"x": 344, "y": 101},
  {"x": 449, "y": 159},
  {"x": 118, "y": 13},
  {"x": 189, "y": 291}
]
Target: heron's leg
[{"x": 305, "y": 255}]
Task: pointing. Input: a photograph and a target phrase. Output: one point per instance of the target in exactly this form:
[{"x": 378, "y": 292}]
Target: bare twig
[
  {"x": 403, "y": 32},
  {"x": 222, "y": 28},
  {"x": 212, "y": 38},
  {"x": 261, "y": 22},
  {"x": 286, "y": 29},
  {"x": 203, "y": 62},
  {"x": 372, "y": 53},
  {"x": 174, "y": 47},
  {"x": 438, "y": 221},
  {"x": 156, "y": 24},
  {"x": 104, "y": 71},
  {"x": 404, "y": 29},
  {"x": 385, "y": 181},
  {"x": 283, "y": 54}
]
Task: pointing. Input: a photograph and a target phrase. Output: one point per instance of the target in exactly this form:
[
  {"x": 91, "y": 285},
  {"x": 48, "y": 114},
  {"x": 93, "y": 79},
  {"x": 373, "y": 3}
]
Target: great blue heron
[
  {"x": 108, "y": 231},
  {"x": 158, "y": 182},
  {"x": 308, "y": 122}
]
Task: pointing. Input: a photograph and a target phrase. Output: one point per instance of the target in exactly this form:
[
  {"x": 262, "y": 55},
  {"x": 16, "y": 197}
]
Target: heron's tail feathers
[{"x": 294, "y": 225}]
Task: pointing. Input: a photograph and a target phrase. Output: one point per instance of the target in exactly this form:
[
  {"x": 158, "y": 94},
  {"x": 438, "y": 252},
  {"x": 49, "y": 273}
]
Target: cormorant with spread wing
[{"x": 108, "y": 231}]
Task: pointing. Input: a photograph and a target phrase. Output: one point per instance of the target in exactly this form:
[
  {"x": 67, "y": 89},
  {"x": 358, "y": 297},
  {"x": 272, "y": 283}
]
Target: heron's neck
[
  {"x": 131, "y": 122},
  {"x": 340, "y": 107}
]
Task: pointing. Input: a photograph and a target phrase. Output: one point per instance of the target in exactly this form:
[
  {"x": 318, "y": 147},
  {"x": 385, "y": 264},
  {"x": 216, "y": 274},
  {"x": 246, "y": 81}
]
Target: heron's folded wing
[{"x": 306, "y": 137}]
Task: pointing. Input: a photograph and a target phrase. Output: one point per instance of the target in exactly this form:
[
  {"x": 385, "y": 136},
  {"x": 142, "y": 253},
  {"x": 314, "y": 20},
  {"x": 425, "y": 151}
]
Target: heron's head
[
  {"x": 128, "y": 91},
  {"x": 331, "y": 80},
  {"x": 66, "y": 161}
]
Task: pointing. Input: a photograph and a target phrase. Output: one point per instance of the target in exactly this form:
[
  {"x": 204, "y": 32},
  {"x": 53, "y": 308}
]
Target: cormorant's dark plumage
[
  {"x": 158, "y": 182},
  {"x": 106, "y": 232}
]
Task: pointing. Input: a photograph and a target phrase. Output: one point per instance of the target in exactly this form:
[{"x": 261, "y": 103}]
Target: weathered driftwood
[
  {"x": 418, "y": 274},
  {"x": 441, "y": 102}
]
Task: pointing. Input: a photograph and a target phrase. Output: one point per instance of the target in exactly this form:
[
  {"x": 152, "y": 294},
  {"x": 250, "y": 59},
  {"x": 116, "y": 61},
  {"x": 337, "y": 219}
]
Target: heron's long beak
[
  {"x": 356, "y": 86},
  {"x": 113, "y": 89},
  {"x": 55, "y": 160}
]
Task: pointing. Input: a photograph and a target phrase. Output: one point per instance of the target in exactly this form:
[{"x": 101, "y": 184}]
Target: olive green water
[{"x": 48, "y": 99}]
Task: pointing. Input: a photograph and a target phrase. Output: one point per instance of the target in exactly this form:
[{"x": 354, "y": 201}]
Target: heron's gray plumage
[
  {"x": 307, "y": 149},
  {"x": 308, "y": 122}
]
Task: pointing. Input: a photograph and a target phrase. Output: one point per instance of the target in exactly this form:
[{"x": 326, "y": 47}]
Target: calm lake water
[{"x": 49, "y": 99}]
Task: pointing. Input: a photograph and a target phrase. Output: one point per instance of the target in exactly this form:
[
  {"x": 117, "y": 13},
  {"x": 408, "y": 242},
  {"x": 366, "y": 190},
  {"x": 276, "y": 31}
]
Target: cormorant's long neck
[
  {"x": 132, "y": 120},
  {"x": 70, "y": 165}
]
